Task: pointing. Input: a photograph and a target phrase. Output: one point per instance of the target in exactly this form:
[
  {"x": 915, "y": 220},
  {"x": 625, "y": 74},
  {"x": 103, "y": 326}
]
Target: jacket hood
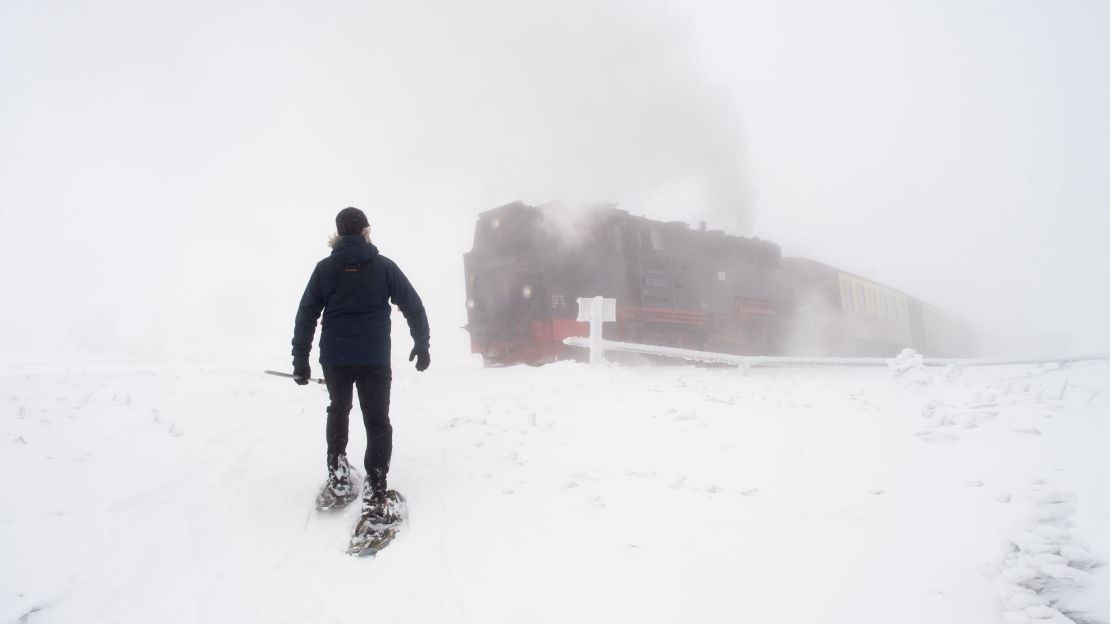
[{"x": 353, "y": 249}]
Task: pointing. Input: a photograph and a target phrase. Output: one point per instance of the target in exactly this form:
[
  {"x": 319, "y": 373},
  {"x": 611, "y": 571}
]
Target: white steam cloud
[{"x": 584, "y": 101}]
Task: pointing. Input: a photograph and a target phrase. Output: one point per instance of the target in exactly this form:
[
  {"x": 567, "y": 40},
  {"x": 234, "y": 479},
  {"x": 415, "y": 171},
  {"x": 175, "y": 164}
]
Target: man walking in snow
[{"x": 353, "y": 287}]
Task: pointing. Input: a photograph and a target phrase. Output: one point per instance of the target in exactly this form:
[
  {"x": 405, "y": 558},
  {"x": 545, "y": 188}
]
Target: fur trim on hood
[{"x": 333, "y": 240}]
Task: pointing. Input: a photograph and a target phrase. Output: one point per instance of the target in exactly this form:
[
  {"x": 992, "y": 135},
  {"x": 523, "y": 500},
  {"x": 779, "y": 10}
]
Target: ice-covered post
[{"x": 595, "y": 311}]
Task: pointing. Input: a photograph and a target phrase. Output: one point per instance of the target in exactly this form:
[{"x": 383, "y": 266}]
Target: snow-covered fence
[
  {"x": 722, "y": 358},
  {"x": 598, "y": 310}
]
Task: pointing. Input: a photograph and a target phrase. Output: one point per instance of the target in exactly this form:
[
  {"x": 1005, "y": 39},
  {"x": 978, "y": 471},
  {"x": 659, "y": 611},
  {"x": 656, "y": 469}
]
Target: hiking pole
[{"x": 288, "y": 376}]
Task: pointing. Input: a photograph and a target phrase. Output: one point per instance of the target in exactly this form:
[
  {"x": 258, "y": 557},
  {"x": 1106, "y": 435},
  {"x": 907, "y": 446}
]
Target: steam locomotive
[{"x": 676, "y": 286}]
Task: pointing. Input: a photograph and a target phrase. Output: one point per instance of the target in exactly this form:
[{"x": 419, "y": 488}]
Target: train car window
[
  {"x": 656, "y": 240},
  {"x": 902, "y": 308},
  {"x": 720, "y": 276},
  {"x": 882, "y": 305},
  {"x": 616, "y": 241},
  {"x": 845, "y": 295},
  {"x": 870, "y": 301},
  {"x": 857, "y": 298}
]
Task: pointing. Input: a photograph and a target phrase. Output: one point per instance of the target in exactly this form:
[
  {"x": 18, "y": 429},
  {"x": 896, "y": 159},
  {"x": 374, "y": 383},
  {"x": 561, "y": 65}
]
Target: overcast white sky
[{"x": 169, "y": 172}]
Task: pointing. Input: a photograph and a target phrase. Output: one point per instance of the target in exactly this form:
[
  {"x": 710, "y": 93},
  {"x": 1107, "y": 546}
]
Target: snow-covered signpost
[{"x": 595, "y": 311}]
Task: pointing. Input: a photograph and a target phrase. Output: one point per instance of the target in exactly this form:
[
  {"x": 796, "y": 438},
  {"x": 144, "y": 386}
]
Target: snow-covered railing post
[{"x": 596, "y": 311}]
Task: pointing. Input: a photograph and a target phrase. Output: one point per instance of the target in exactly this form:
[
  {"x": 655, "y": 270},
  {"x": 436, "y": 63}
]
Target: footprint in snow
[{"x": 592, "y": 475}]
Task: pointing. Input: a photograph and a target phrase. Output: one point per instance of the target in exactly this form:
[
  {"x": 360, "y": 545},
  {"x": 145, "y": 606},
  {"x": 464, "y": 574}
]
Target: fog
[{"x": 170, "y": 174}]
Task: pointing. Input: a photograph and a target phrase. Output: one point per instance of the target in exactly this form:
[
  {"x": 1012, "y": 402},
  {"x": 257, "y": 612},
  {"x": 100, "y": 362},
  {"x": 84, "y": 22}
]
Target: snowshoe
[
  {"x": 341, "y": 488},
  {"x": 381, "y": 521}
]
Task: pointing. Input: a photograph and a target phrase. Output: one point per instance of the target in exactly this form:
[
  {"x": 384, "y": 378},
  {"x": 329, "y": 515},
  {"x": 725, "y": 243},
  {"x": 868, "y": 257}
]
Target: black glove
[
  {"x": 423, "y": 359},
  {"x": 302, "y": 372}
]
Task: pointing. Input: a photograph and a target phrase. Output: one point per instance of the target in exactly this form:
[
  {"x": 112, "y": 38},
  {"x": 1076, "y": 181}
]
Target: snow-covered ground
[{"x": 184, "y": 493}]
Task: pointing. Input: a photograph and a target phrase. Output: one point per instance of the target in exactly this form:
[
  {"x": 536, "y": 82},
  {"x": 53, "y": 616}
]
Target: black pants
[{"x": 373, "y": 384}]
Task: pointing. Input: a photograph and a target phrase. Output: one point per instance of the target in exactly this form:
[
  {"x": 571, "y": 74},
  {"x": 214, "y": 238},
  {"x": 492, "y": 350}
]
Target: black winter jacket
[{"x": 353, "y": 287}]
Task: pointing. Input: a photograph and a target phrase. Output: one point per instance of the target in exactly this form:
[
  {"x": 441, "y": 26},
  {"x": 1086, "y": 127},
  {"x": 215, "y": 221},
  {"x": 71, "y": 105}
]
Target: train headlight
[
  {"x": 495, "y": 223},
  {"x": 469, "y": 304},
  {"x": 526, "y": 292}
]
